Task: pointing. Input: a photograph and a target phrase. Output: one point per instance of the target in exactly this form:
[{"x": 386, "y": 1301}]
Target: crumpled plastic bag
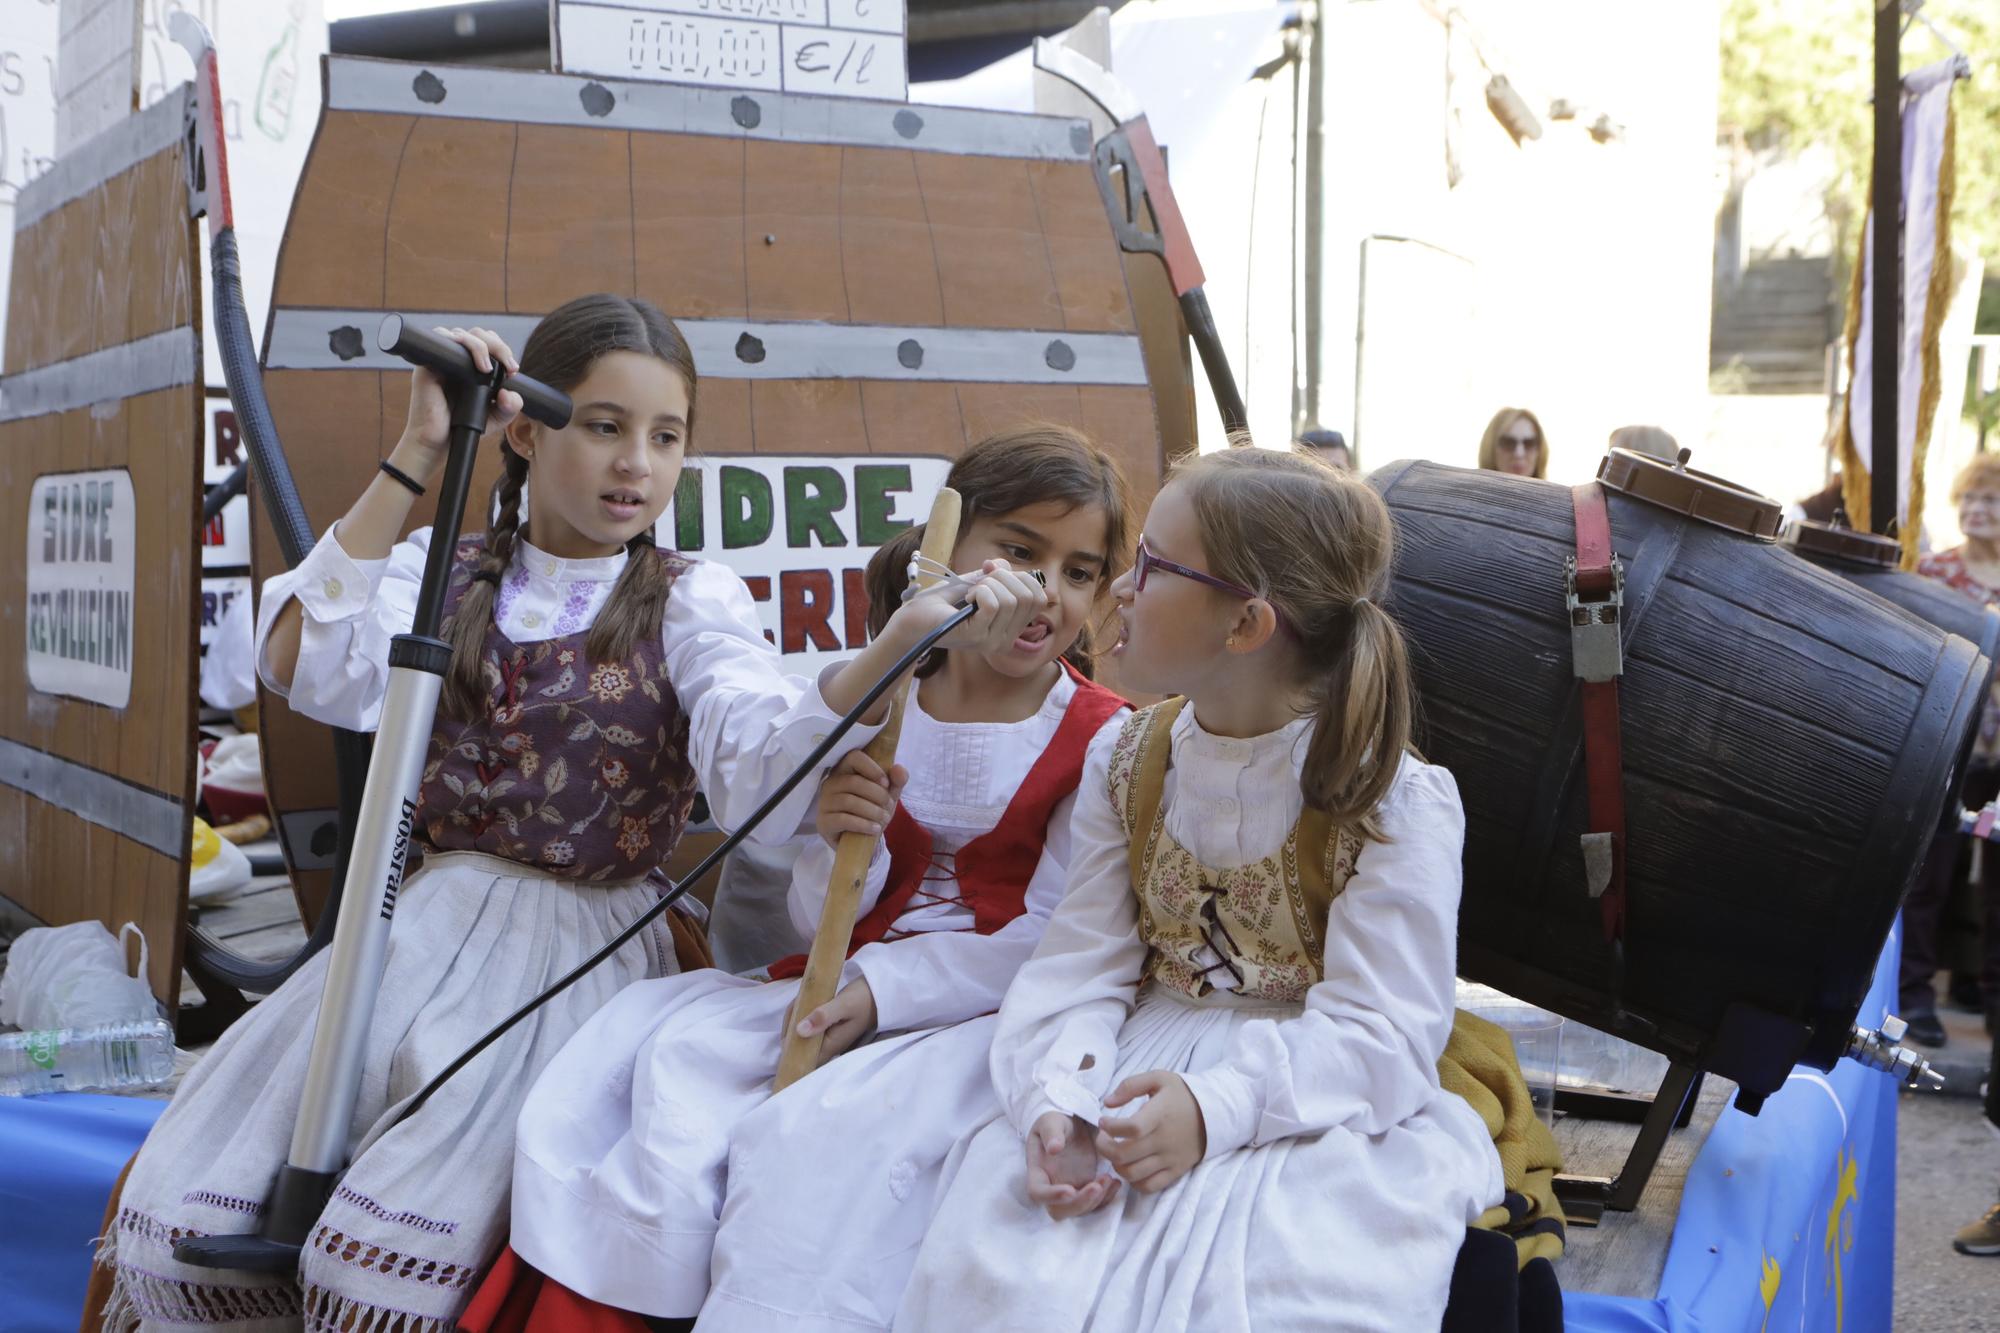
[
  {"x": 217, "y": 867},
  {"x": 74, "y": 977}
]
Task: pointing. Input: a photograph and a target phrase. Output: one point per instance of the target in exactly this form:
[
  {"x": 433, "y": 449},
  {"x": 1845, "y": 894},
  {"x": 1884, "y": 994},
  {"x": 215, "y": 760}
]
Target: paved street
[{"x": 1949, "y": 1170}]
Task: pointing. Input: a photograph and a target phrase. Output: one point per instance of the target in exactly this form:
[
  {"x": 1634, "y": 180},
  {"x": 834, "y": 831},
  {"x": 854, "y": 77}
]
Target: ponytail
[{"x": 1363, "y": 721}]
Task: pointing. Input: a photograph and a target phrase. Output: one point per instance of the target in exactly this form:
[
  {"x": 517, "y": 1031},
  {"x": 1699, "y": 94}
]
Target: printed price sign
[{"x": 835, "y": 48}]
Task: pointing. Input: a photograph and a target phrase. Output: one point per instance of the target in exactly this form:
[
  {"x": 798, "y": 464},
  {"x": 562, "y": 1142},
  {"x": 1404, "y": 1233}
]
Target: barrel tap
[{"x": 1879, "y": 1050}]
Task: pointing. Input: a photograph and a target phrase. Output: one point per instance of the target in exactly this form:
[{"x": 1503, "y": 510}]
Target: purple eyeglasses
[{"x": 1146, "y": 560}]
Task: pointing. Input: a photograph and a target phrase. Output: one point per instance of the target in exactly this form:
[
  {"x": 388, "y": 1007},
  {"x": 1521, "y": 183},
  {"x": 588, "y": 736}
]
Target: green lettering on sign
[
  {"x": 874, "y": 484},
  {"x": 812, "y": 494},
  {"x": 746, "y": 508},
  {"x": 687, "y": 511}
]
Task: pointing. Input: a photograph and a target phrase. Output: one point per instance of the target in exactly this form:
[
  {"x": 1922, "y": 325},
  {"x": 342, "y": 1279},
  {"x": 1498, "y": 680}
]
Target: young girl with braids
[
  {"x": 654, "y": 1169},
  {"x": 1219, "y": 1068},
  {"x": 595, "y": 682}
]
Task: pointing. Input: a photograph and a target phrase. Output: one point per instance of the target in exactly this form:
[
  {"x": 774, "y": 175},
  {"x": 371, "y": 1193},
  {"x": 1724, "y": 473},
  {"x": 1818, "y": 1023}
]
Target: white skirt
[
  {"x": 1334, "y": 1231},
  {"x": 652, "y": 1160},
  {"x": 423, "y": 1207}
]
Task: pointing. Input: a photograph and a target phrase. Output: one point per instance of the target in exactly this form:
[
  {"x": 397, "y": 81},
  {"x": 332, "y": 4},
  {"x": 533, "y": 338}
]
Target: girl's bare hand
[
  {"x": 858, "y": 797},
  {"x": 845, "y": 1019},
  {"x": 1062, "y": 1167},
  {"x": 427, "y": 428},
  {"x": 1004, "y": 600},
  {"x": 1163, "y": 1141}
]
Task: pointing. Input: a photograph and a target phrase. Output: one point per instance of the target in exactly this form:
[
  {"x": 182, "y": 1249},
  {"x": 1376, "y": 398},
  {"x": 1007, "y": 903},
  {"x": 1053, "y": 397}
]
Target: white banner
[
  {"x": 800, "y": 529},
  {"x": 27, "y": 112},
  {"x": 81, "y": 566}
]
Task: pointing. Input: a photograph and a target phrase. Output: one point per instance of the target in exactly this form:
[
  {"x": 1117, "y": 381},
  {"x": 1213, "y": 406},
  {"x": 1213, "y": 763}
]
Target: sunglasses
[
  {"x": 1146, "y": 561},
  {"x": 1517, "y": 443}
]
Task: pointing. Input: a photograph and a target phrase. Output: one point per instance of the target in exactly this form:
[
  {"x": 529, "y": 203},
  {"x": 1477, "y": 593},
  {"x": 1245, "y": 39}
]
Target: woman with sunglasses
[
  {"x": 1219, "y": 1068},
  {"x": 1514, "y": 443}
]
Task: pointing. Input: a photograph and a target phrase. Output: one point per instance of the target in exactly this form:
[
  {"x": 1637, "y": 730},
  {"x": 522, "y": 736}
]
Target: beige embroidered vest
[{"x": 1265, "y": 921}]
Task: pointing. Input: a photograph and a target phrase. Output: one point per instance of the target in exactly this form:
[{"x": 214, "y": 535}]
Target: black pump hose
[{"x": 208, "y": 959}]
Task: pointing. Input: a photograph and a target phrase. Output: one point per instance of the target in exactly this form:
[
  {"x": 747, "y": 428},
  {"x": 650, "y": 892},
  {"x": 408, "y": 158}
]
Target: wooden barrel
[
  {"x": 1787, "y": 744},
  {"x": 856, "y": 279},
  {"x": 100, "y": 460},
  {"x": 1875, "y": 563}
]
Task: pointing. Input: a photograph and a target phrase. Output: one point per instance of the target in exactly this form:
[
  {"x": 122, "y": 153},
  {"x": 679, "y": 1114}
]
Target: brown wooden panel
[
  {"x": 990, "y": 408},
  {"x": 722, "y": 418},
  {"x": 807, "y": 417},
  {"x": 992, "y": 260},
  {"x": 447, "y": 225},
  {"x": 62, "y": 869},
  {"x": 163, "y": 274},
  {"x": 912, "y": 418},
  {"x": 791, "y": 227},
  {"x": 68, "y": 325},
  {"x": 885, "y": 240},
  {"x": 687, "y": 224},
  {"x": 1090, "y": 279},
  {"x": 569, "y": 219},
  {"x": 334, "y": 240},
  {"x": 26, "y": 299},
  {"x": 1121, "y": 420}
]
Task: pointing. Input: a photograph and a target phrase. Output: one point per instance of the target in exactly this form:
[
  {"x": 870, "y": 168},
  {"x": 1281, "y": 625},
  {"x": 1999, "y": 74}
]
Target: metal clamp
[{"x": 1594, "y": 626}]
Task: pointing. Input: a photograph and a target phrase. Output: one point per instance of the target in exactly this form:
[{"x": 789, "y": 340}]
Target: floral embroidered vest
[
  {"x": 1265, "y": 922},
  {"x": 577, "y": 766}
]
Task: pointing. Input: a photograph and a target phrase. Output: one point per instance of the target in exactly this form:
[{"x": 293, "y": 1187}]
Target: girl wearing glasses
[
  {"x": 1514, "y": 443},
  {"x": 1220, "y": 1066}
]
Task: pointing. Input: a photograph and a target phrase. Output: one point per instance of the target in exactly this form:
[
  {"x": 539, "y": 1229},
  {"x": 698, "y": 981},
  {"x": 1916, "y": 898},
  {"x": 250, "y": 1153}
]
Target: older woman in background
[{"x": 1514, "y": 443}]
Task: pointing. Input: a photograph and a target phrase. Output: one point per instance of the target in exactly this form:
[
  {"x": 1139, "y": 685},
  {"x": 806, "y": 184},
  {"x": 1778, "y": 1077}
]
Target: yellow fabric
[
  {"x": 1479, "y": 1065},
  {"x": 206, "y": 844}
]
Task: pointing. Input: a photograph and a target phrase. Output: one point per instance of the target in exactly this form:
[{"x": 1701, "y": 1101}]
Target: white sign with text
[
  {"x": 799, "y": 530},
  {"x": 835, "y": 48},
  {"x": 81, "y": 566}
]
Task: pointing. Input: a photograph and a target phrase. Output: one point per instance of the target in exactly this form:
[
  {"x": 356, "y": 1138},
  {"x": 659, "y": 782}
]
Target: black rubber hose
[
  {"x": 351, "y": 750},
  {"x": 223, "y": 492},
  {"x": 253, "y": 412}
]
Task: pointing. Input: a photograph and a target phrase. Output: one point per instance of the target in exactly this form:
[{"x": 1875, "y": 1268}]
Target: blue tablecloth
[
  {"x": 1789, "y": 1217},
  {"x": 58, "y": 1158}
]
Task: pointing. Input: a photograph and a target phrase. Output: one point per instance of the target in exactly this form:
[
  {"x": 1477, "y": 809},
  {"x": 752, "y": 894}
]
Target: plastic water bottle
[{"x": 114, "y": 1055}]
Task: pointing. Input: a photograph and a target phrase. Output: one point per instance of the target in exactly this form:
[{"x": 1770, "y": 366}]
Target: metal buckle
[{"x": 1595, "y": 626}]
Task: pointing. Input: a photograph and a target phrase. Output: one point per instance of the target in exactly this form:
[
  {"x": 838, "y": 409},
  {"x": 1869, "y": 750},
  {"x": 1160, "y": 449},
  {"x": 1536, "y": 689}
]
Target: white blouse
[
  {"x": 749, "y": 724},
  {"x": 962, "y": 776},
  {"x": 1362, "y": 1052}
]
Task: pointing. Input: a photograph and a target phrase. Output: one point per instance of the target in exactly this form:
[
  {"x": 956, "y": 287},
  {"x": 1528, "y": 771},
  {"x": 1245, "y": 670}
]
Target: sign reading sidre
[
  {"x": 800, "y": 530},
  {"x": 81, "y": 566},
  {"x": 835, "y": 48}
]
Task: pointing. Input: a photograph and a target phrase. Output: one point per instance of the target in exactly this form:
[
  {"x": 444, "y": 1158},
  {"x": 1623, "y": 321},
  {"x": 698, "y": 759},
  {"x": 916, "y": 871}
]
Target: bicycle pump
[{"x": 418, "y": 661}]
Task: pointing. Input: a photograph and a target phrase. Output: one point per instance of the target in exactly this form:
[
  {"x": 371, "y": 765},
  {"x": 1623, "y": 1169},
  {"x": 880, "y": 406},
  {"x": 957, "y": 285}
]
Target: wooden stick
[{"x": 850, "y": 859}]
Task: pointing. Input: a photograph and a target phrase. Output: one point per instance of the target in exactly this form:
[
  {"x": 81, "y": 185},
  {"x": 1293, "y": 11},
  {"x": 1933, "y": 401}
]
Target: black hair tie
[
  {"x": 408, "y": 482},
  {"x": 491, "y": 576}
]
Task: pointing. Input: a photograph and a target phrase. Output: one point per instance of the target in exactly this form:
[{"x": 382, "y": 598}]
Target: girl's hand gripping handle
[{"x": 850, "y": 859}]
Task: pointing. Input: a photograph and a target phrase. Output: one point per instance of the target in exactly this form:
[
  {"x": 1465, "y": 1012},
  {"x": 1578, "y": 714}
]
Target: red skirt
[{"x": 516, "y": 1297}]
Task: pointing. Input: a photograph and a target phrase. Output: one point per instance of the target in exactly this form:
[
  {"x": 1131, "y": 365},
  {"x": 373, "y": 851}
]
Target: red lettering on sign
[
  {"x": 805, "y": 606},
  {"x": 760, "y": 591},
  {"x": 854, "y": 599}
]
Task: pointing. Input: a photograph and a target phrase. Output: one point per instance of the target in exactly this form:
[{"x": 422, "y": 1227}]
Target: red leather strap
[{"x": 1602, "y": 750}]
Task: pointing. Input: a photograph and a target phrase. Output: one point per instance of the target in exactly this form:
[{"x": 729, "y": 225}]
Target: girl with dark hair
[
  {"x": 1220, "y": 1068},
  {"x": 595, "y": 682},
  {"x": 651, "y": 1158}
]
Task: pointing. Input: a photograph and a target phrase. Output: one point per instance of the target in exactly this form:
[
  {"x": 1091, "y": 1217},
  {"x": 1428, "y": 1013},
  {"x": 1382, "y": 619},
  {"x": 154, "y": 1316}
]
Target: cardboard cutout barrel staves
[
  {"x": 100, "y": 460},
  {"x": 868, "y": 288}
]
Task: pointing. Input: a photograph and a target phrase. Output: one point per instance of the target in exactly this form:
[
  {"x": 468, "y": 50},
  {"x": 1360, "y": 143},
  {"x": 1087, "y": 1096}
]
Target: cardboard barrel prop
[
  {"x": 100, "y": 532},
  {"x": 1875, "y": 563},
  {"x": 1788, "y": 741},
  {"x": 868, "y": 288}
]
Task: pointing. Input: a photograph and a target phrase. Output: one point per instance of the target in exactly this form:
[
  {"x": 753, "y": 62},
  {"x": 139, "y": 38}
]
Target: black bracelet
[{"x": 405, "y": 478}]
